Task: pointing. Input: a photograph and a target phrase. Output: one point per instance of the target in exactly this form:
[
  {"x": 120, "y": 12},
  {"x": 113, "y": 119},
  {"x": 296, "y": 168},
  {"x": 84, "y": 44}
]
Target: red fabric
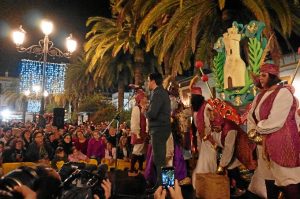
[
  {"x": 139, "y": 96},
  {"x": 244, "y": 148},
  {"x": 200, "y": 120},
  {"x": 196, "y": 90},
  {"x": 225, "y": 110},
  {"x": 282, "y": 146},
  {"x": 245, "y": 114},
  {"x": 218, "y": 120},
  {"x": 81, "y": 146},
  {"x": 143, "y": 134},
  {"x": 270, "y": 68}
]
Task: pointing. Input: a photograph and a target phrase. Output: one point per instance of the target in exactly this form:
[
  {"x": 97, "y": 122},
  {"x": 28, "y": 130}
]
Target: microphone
[{"x": 134, "y": 86}]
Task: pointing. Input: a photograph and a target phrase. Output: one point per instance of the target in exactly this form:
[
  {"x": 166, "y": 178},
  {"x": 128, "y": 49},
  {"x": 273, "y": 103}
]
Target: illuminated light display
[{"x": 32, "y": 74}]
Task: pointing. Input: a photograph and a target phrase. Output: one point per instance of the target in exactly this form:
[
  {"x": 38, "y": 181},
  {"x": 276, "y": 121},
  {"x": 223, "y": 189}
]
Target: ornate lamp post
[{"x": 44, "y": 48}]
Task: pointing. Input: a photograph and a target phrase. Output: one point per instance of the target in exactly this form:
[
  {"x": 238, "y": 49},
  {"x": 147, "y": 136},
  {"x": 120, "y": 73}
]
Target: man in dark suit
[{"x": 158, "y": 113}]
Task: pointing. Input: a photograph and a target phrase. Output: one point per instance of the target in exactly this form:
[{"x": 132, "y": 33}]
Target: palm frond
[
  {"x": 159, "y": 10},
  {"x": 283, "y": 14},
  {"x": 222, "y": 4},
  {"x": 259, "y": 10}
]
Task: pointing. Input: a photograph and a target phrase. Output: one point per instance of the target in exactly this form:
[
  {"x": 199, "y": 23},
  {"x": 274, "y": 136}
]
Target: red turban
[
  {"x": 196, "y": 90},
  {"x": 270, "y": 68},
  {"x": 139, "y": 96}
]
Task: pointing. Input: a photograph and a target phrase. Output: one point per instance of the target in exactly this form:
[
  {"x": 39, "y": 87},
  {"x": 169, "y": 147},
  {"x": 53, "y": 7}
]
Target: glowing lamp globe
[
  {"x": 27, "y": 92},
  {"x": 19, "y": 36},
  {"x": 47, "y": 27},
  {"x": 46, "y": 93},
  {"x": 71, "y": 44}
]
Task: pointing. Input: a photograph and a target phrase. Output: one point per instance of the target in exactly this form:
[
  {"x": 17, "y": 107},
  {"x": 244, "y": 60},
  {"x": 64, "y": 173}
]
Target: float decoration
[
  {"x": 231, "y": 74},
  {"x": 225, "y": 110}
]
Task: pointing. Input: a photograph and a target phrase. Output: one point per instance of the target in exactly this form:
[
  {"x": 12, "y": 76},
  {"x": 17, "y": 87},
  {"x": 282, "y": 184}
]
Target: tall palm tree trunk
[
  {"x": 138, "y": 77},
  {"x": 121, "y": 90},
  {"x": 138, "y": 66}
]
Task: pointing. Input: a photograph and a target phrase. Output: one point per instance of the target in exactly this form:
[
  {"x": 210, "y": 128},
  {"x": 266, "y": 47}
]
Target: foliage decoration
[
  {"x": 217, "y": 69},
  {"x": 166, "y": 26},
  {"x": 256, "y": 45},
  {"x": 255, "y": 54}
]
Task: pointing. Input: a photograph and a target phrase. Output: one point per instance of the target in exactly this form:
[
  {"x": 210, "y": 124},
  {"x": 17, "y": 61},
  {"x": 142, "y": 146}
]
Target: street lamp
[{"x": 44, "y": 48}]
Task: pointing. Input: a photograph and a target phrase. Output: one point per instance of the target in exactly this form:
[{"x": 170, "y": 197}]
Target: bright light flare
[
  {"x": 18, "y": 36},
  {"x": 46, "y": 93},
  {"x": 36, "y": 88},
  {"x": 6, "y": 113},
  {"x": 47, "y": 27},
  {"x": 27, "y": 92},
  {"x": 71, "y": 44}
]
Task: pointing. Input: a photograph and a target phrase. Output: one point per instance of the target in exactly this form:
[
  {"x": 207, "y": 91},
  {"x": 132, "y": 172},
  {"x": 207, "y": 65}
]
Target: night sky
[{"x": 68, "y": 16}]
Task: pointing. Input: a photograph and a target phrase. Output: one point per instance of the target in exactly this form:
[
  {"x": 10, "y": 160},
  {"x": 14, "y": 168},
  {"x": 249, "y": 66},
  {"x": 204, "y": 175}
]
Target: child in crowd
[
  {"x": 77, "y": 156},
  {"x": 66, "y": 143},
  {"x": 81, "y": 142},
  {"x": 123, "y": 149},
  {"x": 110, "y": 154},
  {"x": 59, "y": 156},
  {"x": 96, "y": 147}
]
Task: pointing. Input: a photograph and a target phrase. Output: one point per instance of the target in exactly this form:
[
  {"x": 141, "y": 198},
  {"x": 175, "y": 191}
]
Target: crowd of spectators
[{"x": 21, "y": 142}]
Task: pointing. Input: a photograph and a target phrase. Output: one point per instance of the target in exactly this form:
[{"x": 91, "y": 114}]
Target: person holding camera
[
  {"x": 175, "y": 192},
  {"x": 30, "y": 183},
  {"x": 49, "y": 186}
]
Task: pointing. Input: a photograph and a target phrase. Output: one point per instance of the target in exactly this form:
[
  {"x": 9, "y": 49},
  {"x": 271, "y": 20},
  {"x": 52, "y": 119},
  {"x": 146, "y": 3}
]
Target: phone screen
[{"x": 168, "y": 177}]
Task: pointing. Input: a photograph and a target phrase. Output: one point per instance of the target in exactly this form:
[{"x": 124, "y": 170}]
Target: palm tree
[
  {"x": 117, "y": 71},
  {"x": 78, "y": 83},
  {"x": 14, "y": 98},
  {"x": 111, "y": 50},
  {"x": 117, "y": 35},
  {"x": 192, "y": 26}
]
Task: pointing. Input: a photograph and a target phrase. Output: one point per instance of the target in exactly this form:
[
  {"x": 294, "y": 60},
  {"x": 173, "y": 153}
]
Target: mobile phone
[{"x": 168, "y": 177}]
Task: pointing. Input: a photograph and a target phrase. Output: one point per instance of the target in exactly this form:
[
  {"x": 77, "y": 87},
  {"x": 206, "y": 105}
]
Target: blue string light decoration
[
  {"x": 33, "y": 105},
  {"x": 32, "y": 75}
]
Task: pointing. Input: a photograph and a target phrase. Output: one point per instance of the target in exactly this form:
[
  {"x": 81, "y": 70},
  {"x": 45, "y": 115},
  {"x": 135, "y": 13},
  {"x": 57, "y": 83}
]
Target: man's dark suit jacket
[{"x": 159, "y": 111}]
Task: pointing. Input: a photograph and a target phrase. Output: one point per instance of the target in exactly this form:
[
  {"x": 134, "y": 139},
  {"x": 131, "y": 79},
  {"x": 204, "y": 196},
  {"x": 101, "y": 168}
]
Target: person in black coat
[
  {"x": 26, "y": 136},
  {"x": 16, "y": 153},
  {"x": 38, "y": 150},
  {"x": 159, "y": 114},
  {"x": 66, "y": 143}
]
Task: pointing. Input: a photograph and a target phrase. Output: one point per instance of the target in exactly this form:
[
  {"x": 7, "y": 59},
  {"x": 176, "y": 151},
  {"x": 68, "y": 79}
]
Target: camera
[
  {"x": 168, "y": 177},
  {"x": 21, "y": 176},
  {"x": 85, "y": 177}
]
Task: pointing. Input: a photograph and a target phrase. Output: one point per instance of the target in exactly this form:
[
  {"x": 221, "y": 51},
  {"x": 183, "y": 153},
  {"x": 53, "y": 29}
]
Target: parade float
[
  {"x": 231, "y": 72},
  {"x": 233, "y": 68},
  {"x": 236, "y": 66}
]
